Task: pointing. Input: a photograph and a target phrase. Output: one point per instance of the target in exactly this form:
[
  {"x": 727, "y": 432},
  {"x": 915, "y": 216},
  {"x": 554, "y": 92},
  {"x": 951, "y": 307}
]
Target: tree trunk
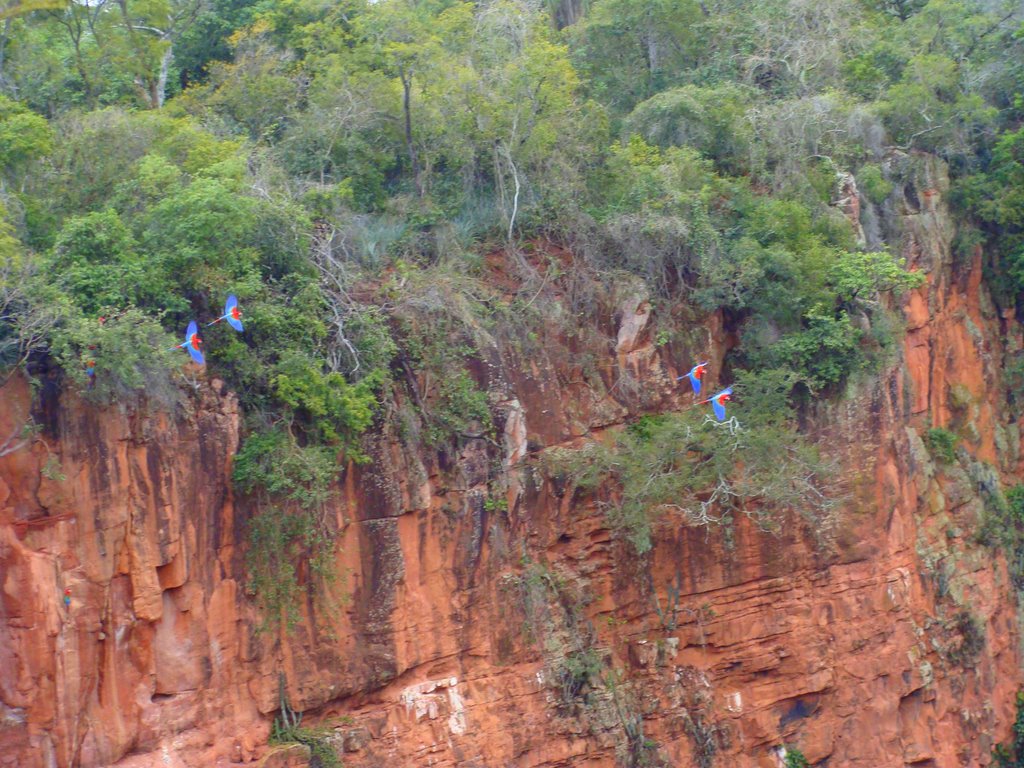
[
  {"x": 651, "y": 42},
  {"x": 515, "y": 198},
  {"x": 406, "y": 78},
  {"x": 567, "y": 13},
  {"x": 161, "y": 81},
  {"x": 3, "y": 46}
]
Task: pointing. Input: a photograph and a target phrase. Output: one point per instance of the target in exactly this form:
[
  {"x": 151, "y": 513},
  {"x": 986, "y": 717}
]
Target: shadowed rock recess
[{"x": 484, "y": 611}]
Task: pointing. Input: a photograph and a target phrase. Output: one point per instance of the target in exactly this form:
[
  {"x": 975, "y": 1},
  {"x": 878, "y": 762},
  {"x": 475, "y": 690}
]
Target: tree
[
  {"x": 652, "y": 42},
  {"x": 24, "y": 137},
  {"x": 901, "y": 9},
  {"x": 403, "y": 37},
  {"x": 151, "y": 28},
  {"x": 133, "y": 39}
]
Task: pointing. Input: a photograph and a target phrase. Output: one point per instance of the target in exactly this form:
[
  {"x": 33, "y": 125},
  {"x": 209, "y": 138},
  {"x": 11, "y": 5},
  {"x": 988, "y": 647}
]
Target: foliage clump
[
  {"x": 1012, "y": 755},
  {"x": 942, "y": 444},
  {"x": 291, "y": 485},
  {"x": 1004, "y": 526},
  {"x": 287, "y": 728},
  {"x": 795, "y": 758},
  {"x": 707, "y": 472}
]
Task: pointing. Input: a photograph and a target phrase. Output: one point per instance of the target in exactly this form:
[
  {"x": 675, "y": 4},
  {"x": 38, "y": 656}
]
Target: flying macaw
[
  {"x": 192, "y": 343},
  {"x": 695, "y": 375},
  {"x": 231, "y": 313},
  {"x": 718, "y": 402}
]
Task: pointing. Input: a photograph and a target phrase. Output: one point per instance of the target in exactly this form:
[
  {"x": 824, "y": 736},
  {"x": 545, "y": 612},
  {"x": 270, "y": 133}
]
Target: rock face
[{"x": 492, "y": 617}]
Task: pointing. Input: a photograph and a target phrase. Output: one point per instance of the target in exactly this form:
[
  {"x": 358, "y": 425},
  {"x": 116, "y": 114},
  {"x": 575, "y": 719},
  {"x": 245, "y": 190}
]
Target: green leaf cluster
[{"x": 1012, "y": 755}]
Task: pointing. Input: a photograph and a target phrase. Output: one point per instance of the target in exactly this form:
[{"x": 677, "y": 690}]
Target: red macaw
[
  {"x": 231, "y": 313},
  {"x": 695, "y": 375},
  {"x": 718, "y": 402},
  {"x": 90, "y": 371},
  {"x": 192, "y": 343}
]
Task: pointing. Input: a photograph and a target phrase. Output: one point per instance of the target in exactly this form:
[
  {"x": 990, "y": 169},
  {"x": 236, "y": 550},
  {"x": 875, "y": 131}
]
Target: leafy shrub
[
  {"x": 707, "y": 471},
  {"x": 577, "y": 671},
  {"x": 131, "y": 352},
  {"x": 1004, "y": 526},
  {"x": 1012, "y": 755},
  {"x": 873, "y": 184},
  {"x": 823, "y": 354},
  {"x": 97, "y": 259},
  {"x": 436, "y": 335},
  {"x": 278, "y": 539},
  {"x": 333, "y": 409},
  {"x": 461, "y": 405},
  {"x": 287, "y": 729},
  {"x": 942, "y": 444},
  {"x": 24, "y": 136},
  {"x": 271, "y": 463},
  {"x": 291, "y": 484},
  {"x": 30, "y": 306},
  {"x": 712, "y": 120},
  {"x": 795, "y": 758}
]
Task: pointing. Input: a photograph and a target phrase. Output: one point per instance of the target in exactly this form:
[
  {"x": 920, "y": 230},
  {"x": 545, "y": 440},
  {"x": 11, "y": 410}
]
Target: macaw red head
[
  {"x": 698, "y": 372},
  {"x": 194, "y": 341},
  {"x": 236, "y": 313},
  {"x": 68, "y": 591},
  {"x": 723, "y": 398}
]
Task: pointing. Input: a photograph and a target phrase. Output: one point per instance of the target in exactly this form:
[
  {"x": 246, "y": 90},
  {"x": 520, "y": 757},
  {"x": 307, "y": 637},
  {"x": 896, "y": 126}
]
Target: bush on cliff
[
  {"x": 1012, "y": 755},
  {"x": 687, "y": 467}
]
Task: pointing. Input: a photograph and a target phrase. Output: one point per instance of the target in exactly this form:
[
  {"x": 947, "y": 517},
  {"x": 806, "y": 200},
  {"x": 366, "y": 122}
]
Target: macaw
[
  {"x": 718, "y": 402},
  {"x": 695, "y": 375},
  {"x": 67, "y": 597},
  {"x": 192, "y": 343},
  {"x": 231, "y": 313},
  {"x": 90, "y": 371}
]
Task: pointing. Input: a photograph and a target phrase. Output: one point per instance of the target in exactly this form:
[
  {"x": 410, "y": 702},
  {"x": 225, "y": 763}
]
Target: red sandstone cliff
[{"x": 460, "y": 609}]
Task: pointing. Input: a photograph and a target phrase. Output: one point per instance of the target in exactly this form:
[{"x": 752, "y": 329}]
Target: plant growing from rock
[
  {"x": 707, "y": 472},
  {"x": 942, "y": 444},
  {"x": 291, "y": 485},
  {"x": 795, "y": 758},
  {"x": 1012, "y": 755},
  {"x": 287, "y": 729}
]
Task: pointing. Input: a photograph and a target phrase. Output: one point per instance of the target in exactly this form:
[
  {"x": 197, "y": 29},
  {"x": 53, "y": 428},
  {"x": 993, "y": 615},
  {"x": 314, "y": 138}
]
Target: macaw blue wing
[
  {"x": 718, "y": 404},
  {"x": 192, "y": 343},
  {"x": 232, "y": 314},
  {"x": 695, "y": 382},
  {"x": 719, "y": 410}
]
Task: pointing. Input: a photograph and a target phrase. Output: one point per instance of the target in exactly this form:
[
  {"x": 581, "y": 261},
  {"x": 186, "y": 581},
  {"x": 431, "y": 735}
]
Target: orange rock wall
[{"x": 471, "y": 576}]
